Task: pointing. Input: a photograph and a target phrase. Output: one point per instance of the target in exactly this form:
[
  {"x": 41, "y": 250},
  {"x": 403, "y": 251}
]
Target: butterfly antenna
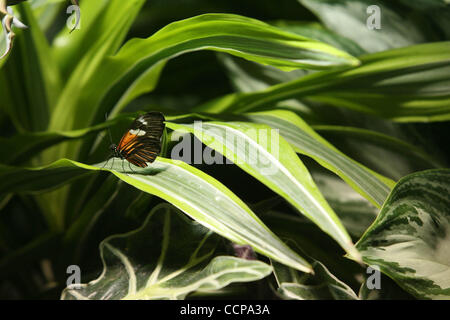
[
  {"x": 110, "y": 139},
  {"x": 109, "y": 132}
]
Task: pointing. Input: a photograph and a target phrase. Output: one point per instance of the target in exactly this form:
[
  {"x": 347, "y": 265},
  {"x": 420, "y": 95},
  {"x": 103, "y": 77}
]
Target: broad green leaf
[
  {"x": 388, "y": 155},
  {"x": 29, "y": 81},
  {"x": 306, "y": 141},
  {"x": 197, "y": 194},
  {"x": 263, "y": 153},
  {"x": 247, "y": 76},
  {"x": 103, "y": 27},
  {"x": 46, "y": 12},
  {"x": 154, "y": 262},
  {"x": 318, "y": 32},
  {"x": 323, "y": 285},
  {"x": 108, "y": 88},
  {"x": 409, "y": 240},
  {"x": 406, "y": 84},
  {"x": 350, "y": 18},
  {"x": 115, "y": 22}
]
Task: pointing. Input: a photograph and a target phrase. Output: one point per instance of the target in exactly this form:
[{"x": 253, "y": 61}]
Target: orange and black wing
[{"x": 142, "y": 142}]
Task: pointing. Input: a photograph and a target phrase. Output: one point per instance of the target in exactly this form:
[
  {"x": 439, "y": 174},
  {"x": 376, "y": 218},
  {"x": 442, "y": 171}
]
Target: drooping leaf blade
[
  {"x": 244, "y": 37},
  {"x": 263, "y": 153},
  {"x": 406, "y": 84},
  {"x": 317, "y": 31},
  {"x": 306, "y": 141},
  {"x": 383, "y": 153},
  {"x": 197, "y": 194}
]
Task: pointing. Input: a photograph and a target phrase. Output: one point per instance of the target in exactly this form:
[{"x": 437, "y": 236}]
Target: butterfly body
[{"x": 141, "y": 144}]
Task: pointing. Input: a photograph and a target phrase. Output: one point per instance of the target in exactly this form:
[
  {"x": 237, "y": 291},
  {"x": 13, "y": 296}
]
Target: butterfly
[{"x": 142, "y": 142}]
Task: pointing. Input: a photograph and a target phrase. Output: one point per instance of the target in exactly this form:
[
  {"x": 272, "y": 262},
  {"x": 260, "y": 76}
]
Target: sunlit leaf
[
  {"x": 197, "y": 194},
  {"x": 263, "y": 153},
  {"x": 374, "y": 149},
  {"x": 406, "y": 84},
  {"x": 113, "y": 84},
  {"x": 306, "y": 141}
]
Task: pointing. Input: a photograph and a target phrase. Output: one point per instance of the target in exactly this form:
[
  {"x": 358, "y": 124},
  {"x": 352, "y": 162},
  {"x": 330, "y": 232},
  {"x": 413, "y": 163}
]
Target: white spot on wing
[
  {"x": 137, "y": 132},
  {"x": 141, "y": 120}
]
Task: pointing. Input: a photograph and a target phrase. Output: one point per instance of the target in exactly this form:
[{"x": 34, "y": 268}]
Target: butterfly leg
[
  {"x": 107, "y": 160},
  {"x": 123, "y": 168},
  {"x": 129, "y": 166}
]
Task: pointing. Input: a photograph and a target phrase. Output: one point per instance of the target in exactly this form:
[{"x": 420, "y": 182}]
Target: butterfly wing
[{"x": 142, "y": 142}]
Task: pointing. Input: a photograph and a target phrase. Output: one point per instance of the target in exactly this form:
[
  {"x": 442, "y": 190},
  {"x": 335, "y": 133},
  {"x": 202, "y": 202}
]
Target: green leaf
[
  {"x": 376, "y": 149},
  {"x": 197, "y": 194},
  {"x": 264, "y": 154},
  {"x": 396, "y": 30},
  {"x": 323, "y": 285},
  {"x": 407, "y": 84},
  {"x": 409, "y": 240},
  {"x": 306, "y": 141},
  {"x": 154, "y": 262},
  {"x": 247, "y": 76},
  {"x": 103, "y": 27},
  {"x": 29, "y": 81},
  {"x": 318, "y": 32},
  {"x": 47, "y": 11},
  {"x": 109, "y": 87}
]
